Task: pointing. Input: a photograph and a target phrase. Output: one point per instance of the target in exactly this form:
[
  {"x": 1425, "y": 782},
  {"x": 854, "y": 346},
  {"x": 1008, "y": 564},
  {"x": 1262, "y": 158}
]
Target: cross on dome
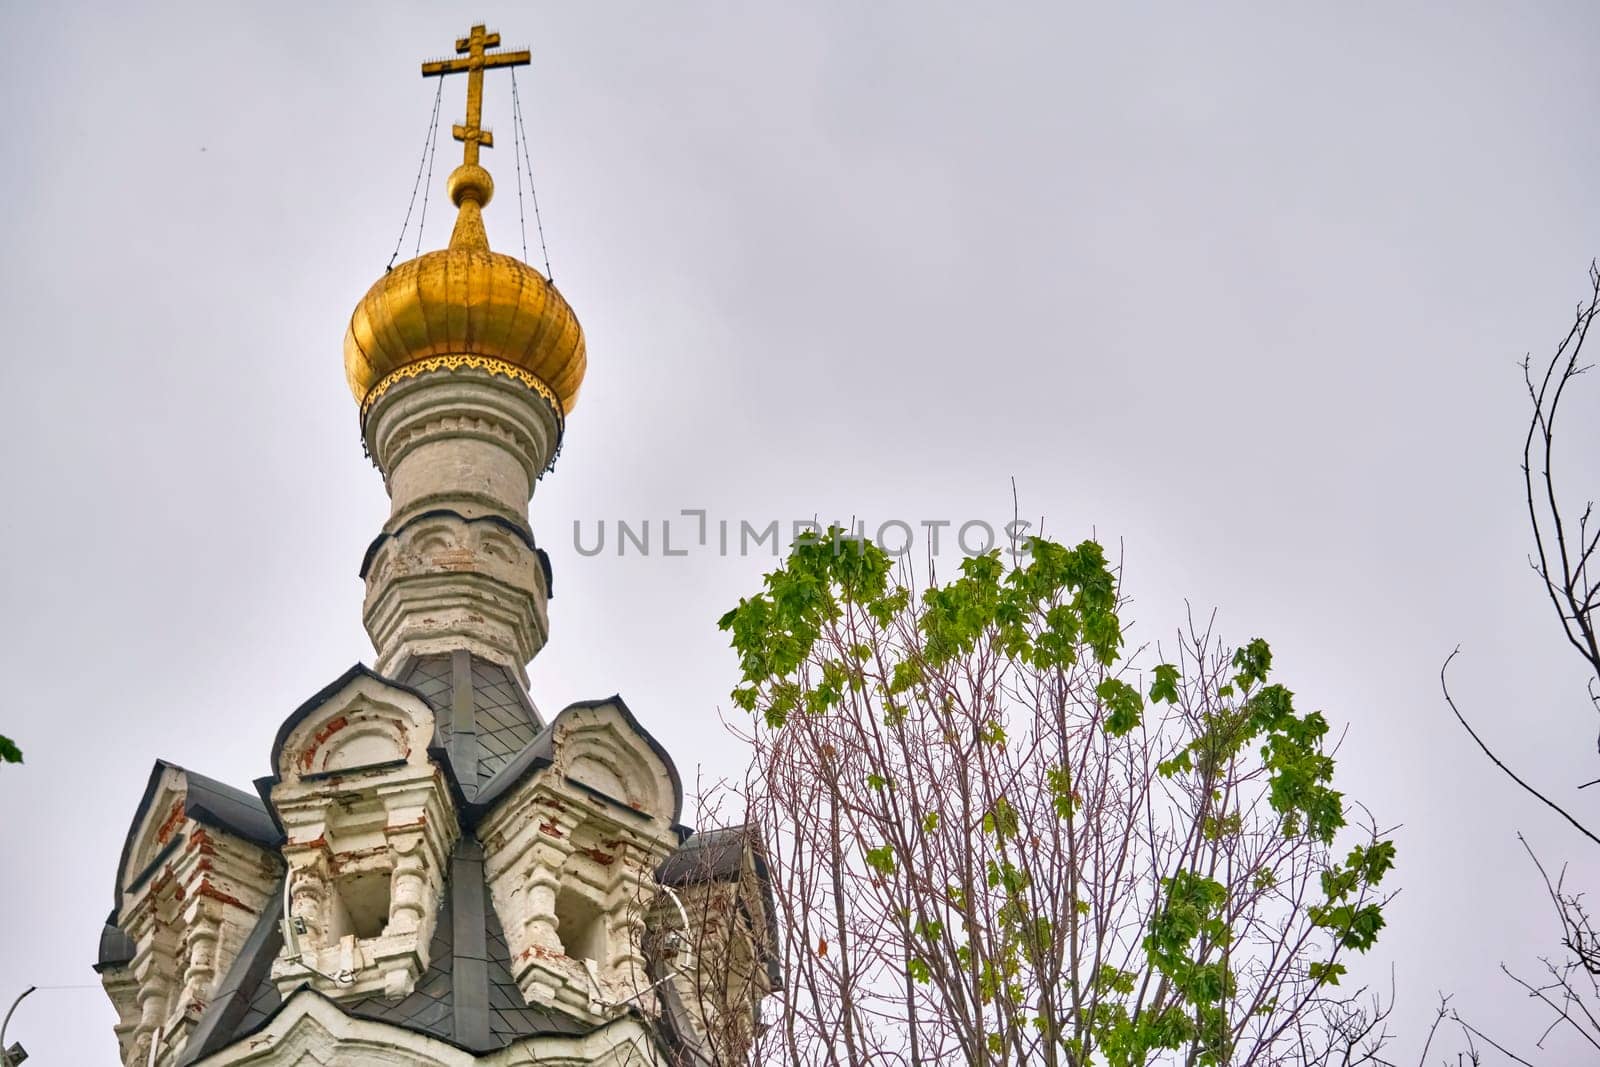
[{"x": 478, "y": 59}]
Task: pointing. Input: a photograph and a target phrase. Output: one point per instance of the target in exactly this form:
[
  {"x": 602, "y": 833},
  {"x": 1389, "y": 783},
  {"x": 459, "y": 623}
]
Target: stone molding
[{"x": 456, "y": 447}]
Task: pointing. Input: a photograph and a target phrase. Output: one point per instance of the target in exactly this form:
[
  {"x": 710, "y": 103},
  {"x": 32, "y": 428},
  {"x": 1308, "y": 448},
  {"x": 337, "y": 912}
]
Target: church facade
[{"x": 433, "y": 871}]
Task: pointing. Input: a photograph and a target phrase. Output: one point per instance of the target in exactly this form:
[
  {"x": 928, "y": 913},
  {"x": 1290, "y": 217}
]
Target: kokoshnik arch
[{"x": 434, "y": 872}]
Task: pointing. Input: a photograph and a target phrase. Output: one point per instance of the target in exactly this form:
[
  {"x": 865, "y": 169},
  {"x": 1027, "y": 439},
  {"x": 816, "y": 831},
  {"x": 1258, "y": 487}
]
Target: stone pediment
[
  {"x": 598, "y": 747},
  {"x": 173, "y": 797},
  {"x": 602, "y": 748},
  {"x": 362, "y": 721}
]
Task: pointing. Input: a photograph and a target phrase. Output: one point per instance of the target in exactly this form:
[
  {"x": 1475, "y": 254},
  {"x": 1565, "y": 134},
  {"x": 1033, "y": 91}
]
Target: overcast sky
[{"x": 1241, "y": 287}]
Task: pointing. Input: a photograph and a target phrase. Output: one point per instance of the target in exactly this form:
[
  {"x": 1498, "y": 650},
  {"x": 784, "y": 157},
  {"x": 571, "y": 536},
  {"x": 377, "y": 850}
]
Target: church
[{"x": 433, "y": 870}]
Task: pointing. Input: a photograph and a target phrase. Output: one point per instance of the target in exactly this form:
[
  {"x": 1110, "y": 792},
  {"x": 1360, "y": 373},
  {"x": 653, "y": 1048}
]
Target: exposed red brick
[
  {"x": 342, "y": 862},
  {"x": 170, "y": 824},
  {"x": 213, "y": 893},
  {"x": 201, "y": 842},
  {"x": 168, "y": 878},
  {"x": 540, "y": 952},
  {"x": 329, "y": 728}
]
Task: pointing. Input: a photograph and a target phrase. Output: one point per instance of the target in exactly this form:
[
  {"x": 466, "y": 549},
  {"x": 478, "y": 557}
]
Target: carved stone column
[
  {"x": 543, "y": 973},
  {"x": 308, "y": 899},
  {"x": 157, "y": 983},
  {"x": 543, "y": 880},
  {"x": 409, "y": 887},
  {"x": 200, "y": 949},
  {"x": 625, "y": 961}
]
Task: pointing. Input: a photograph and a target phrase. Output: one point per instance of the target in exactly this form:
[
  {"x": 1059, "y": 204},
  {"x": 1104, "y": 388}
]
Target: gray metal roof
[
  {"x": 483, "y": 717},
  {"x": 718, "y": 856},
  {"x": 710, "y": 856},
  {"x": 116, "y": 948},
  {"x": 221, "y": 805}
]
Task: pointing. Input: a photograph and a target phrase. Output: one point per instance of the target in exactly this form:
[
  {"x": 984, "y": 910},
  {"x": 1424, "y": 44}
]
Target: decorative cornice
[{"x": 484, "y": 363}]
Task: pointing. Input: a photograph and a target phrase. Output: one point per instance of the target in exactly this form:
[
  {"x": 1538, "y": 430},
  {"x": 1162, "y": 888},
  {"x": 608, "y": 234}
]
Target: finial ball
[{"x": 469, "y": 182}]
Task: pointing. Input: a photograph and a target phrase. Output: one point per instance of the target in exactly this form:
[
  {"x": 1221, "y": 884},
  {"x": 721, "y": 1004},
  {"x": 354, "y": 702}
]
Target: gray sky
[{"x": 1243, "y": 287}]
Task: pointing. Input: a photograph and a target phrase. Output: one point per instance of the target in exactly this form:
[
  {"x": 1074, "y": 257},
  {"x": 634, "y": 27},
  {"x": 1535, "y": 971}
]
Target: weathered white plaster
[
  {"x": 443, "y": 583},
  {"x": 559, "y": 853},
  {"x": 190, "y": 896},
  {"x": 470, "y": 444},
  {"x": 369, "y": 822},
  {"x": 461, "y": 435}
]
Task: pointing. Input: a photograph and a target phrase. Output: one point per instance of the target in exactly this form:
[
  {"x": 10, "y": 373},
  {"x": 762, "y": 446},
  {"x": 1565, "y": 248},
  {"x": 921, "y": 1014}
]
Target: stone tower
[{"x": 433, "y": 872}]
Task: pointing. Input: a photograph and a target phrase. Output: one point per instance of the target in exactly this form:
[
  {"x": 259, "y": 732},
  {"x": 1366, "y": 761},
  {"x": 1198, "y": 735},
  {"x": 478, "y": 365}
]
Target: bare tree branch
[{"x": 1497, "y": 761}]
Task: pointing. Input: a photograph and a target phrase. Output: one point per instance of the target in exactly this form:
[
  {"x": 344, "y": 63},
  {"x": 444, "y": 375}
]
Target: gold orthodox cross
[{"x": 477, "y": 59}]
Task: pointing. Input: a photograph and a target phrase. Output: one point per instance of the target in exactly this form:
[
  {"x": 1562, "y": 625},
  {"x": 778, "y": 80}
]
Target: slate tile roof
[{"x": 483, "y": 716}]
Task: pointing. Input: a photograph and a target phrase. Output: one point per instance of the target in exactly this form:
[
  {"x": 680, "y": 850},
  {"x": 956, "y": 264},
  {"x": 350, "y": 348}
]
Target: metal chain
[
  {"x": 533, "y": 193},
  {"x": 516, "y": 152},
  {"x": 432, "y": 150},
  {"x": 427, "y": 145}
]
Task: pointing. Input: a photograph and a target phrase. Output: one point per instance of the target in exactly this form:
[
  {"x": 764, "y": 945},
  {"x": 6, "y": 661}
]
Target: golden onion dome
[{"x": 465, "y": 306}]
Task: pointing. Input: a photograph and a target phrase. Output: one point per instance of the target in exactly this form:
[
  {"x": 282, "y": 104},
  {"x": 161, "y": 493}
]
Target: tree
[
  {"x": 1566, "y": 545},
  {"x": 9, "y": 752},
  {"x": 1565, "y": 539},
  {"x": 994, "y": 835}
]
